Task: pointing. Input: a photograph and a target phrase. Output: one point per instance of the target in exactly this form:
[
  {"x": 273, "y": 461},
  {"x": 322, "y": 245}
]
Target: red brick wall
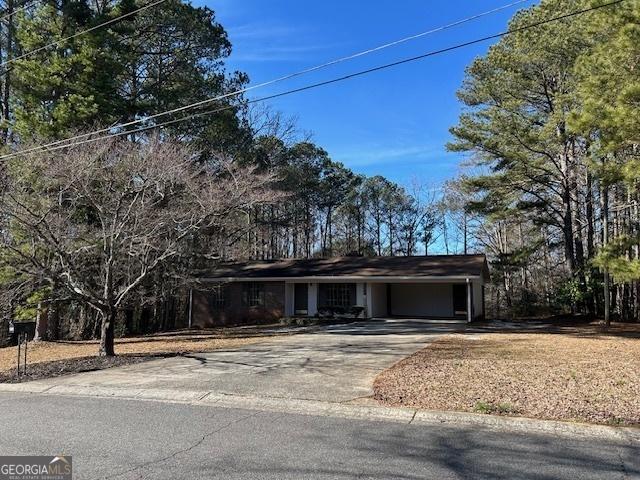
[{"x": 205, "y": 314}]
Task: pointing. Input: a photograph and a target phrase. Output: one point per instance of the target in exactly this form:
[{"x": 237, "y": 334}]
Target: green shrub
[
  {"x": 483, "y": 407},
  {"x": 502, "y": 408},
  {"x": 505, "y": 408}
]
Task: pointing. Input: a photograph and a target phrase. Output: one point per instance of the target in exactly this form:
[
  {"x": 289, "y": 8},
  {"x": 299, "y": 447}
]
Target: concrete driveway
[{"x": 333, "y": 364}]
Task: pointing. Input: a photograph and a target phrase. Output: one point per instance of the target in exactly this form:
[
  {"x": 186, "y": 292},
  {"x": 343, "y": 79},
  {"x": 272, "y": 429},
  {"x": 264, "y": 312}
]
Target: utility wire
[
  {"x": 17, "y": 10},
  {"x": 291, "y": 75},
  {"x": 82, "y": 32},
  {"x": 432, "y": 53}
]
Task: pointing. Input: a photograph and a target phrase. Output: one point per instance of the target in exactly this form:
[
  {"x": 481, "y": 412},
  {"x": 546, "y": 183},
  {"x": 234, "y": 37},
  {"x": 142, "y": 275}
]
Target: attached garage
[{"x": 421, "y": 299}]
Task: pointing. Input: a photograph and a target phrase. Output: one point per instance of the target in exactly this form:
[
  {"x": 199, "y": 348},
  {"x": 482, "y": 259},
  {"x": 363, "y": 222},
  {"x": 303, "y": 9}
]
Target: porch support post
[
  {"x": 469, "y": 301},
  {"x": 369, "y": 312},
  {"x": 289, "y": 298},
  {"x": 312, "y": 299}
]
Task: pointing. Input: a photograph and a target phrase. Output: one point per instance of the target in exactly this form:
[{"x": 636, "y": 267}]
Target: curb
[
  {"x": 526, "y": 425},
  {"x": 407, "y": 416}
]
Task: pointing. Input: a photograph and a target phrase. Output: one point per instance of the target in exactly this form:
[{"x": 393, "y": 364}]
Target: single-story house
[{"x": 433, "y": 286}]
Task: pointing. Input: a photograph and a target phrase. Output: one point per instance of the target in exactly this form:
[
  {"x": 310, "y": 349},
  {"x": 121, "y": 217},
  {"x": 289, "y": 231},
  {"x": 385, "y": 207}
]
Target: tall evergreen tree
[
  {"x": 519, "y": 98},
  {"x": 69, "y": 86}
]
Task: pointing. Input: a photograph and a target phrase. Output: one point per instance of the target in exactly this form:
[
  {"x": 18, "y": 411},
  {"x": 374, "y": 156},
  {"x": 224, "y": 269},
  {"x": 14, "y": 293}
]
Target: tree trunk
[
  {"x": 41, "y": 324},
  {"x": 329, "y": 232},
  {"x": 547, "y": 267},
  {"x": 567, "y": 217},
  {"x": 107, "y": 333},
  {"x": 53, "y": 321},
  {"x": 6, "y": 93},
  {"x": 604, "y": 212},
  {"x": 360, "y": 231},
  {"x": 594, "y": 296},
  {"x": 390, "y": 228},
  {"x": 590, "y": 217},
  {"x": 464, "y": 220},
  {"x": 379, "y": 234}
]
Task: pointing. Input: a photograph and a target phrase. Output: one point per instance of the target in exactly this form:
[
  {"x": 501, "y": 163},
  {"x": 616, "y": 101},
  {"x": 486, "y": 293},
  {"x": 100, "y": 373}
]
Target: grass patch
[{"x": 492, "y": 408}]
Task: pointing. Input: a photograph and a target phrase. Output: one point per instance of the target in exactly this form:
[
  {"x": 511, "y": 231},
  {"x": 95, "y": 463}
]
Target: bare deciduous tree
[{"x": 95, "y": 222}]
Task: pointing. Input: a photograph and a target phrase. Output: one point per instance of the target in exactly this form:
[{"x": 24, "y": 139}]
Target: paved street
[
  {"x": 127, "y": 439},
  {"x": 334, "y": 364}
]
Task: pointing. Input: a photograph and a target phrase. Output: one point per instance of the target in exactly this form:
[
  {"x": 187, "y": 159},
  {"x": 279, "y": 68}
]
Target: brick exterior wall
[{"x": 206, "y": 314}]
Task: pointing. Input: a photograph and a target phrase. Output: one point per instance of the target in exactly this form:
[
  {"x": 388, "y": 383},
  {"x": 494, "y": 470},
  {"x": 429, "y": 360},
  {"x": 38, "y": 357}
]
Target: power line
[
  {"x": 292, "y": 75},
  {"x": 82, "y": 32},
  {"x": 432, "y": 53},
  {"x": 319, "y": 84},
  {"x": 387, "y": 45},
  {"x": 24, "y": 7}
]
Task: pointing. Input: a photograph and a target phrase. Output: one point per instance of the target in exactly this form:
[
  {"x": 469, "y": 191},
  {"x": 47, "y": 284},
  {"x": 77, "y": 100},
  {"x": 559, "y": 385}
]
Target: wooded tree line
[
  {"x": 106, "y": 235},
  {"x": 331, "y": 211},
  {"x": 551, "y": 126}
]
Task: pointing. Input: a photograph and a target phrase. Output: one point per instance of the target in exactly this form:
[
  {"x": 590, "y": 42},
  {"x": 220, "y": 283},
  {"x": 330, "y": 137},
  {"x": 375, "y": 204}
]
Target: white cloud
[
  {"x": 252, "y": 31},
  {"x": 276, "y": 53},
  {"x": 425, "y": 154},
  {"x": 262, "y": 42}
]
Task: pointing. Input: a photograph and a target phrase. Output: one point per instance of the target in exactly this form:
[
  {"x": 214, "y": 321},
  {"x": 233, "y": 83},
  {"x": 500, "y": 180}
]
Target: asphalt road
[{"x": 127, "y": 439}]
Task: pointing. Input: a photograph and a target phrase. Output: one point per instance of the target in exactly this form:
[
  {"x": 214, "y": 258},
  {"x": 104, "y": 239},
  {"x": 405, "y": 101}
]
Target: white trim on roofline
[{"x": 349, "y": 278}]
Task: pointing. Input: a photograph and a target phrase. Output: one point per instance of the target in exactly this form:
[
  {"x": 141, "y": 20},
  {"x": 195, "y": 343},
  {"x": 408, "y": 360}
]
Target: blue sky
[{"x": 394, "y": 122}]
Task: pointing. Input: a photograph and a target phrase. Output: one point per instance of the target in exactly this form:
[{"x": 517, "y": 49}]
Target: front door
[
  {"x": 300, "y": 299},
  {"x": 459, "y": 299}
]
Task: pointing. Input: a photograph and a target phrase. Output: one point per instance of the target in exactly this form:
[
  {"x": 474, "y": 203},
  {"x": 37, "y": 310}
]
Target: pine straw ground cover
[
  {"x": 48, "y": 359},
  {"x": 576, "y": 374}
]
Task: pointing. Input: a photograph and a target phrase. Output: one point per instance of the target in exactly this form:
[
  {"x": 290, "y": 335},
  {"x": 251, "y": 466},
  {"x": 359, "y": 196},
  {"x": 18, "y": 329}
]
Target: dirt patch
[
  {"x": 576, "y": 373},
  {"x": 47, "y": 359}
]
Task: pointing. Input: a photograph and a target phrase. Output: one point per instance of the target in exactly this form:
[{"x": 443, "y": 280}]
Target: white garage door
[{"x": 422, "y": 300}]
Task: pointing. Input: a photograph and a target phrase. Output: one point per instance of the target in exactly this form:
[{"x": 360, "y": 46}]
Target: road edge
[{"x": 410, "y": 416}]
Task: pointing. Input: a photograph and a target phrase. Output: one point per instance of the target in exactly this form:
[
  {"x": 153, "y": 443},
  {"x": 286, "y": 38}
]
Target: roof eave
[{"x": 352, "y": 278}]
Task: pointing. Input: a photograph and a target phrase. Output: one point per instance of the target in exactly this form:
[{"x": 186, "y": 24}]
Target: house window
[
  {"x": 253, "y": 294},
  {"x": 338, "y": 295},
  {"x": 217, "y": 296}
]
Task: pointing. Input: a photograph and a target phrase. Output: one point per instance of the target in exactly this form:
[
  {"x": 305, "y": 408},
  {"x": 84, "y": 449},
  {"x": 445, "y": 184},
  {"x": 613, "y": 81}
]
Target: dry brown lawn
[
  {"x": 577, "y": 374},
  {"x": 48, "y": 358}
]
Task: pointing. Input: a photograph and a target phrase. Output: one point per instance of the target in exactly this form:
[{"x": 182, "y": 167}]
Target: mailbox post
[{"x": 23, "y": 331}]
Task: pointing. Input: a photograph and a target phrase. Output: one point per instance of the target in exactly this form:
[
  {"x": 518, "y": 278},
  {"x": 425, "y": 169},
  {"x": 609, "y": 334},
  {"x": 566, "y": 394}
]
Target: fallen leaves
[
  {"x": 46, "y": 359},
  {"x": 580, "y": 375}
]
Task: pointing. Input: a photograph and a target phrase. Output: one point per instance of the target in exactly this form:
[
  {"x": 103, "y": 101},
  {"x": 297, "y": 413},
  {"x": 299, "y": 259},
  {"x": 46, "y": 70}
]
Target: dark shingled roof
[{"x": 419, "y": 266}]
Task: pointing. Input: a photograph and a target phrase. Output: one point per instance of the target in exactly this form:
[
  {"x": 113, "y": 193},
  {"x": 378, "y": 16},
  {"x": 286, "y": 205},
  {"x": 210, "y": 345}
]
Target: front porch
[{"x": 462, "y": 299}]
